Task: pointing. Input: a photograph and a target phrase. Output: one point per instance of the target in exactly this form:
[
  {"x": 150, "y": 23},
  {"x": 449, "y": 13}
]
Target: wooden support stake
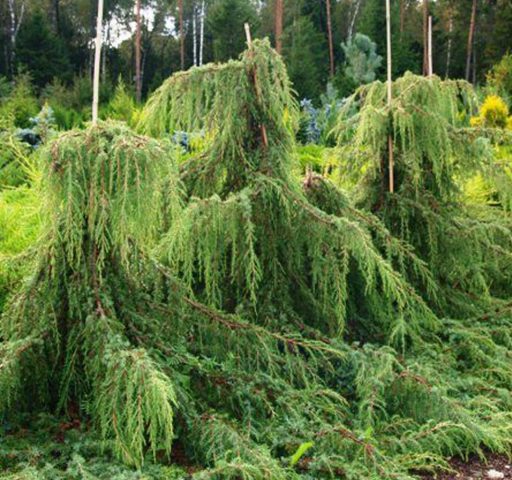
[
  {"x": 264, "y": 138},
  {"x": 430, "y": 65},
  {"x": 248, "y": 34},
  {"x": 390, "y": 98},
  {"x": 97, "y": 60}
]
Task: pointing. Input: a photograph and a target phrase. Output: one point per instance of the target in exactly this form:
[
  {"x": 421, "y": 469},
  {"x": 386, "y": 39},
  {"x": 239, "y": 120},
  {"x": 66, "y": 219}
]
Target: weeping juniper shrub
[
  {"x": 300, "y": 257},
  {"x": 248, "y": 240},
  {"x": 466, "y": 247},
  {"x": 212, "y": 304},
  {"x": 66, "y": 327}
]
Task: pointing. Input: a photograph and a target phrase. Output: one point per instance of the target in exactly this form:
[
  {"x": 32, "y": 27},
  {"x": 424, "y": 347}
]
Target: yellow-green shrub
[{"x": 493, "y": 113}]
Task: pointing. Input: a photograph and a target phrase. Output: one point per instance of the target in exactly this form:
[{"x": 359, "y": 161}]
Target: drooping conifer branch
[
  {"x": 263, "y": 324},
  {"x": 436, "y": 151},
  {"x": 223, "y": 237},
  {"x": 69, "y": 319}
]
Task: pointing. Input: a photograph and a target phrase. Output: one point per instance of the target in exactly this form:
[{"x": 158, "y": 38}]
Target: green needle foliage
[
  {"x": 435, "y": 150},
  {"x": 66, "y": 326},
  {"x": 249, "y": 240},
  {"x": 212, "y": 304}
]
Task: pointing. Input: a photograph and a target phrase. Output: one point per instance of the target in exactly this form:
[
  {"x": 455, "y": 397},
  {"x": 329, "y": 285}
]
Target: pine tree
[
  {"x": 361, "y": 59},
  {"x": 226, "y": 22},
  {"x": 304, "y": 54},
  {"x": 42, "y": 53}
]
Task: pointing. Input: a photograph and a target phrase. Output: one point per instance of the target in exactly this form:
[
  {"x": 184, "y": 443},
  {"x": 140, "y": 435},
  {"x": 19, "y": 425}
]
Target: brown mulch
[{"x": 476, "y": 469}]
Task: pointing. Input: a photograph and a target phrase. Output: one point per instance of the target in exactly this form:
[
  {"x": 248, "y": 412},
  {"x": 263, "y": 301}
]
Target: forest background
[{"x": 50, "y": 42}]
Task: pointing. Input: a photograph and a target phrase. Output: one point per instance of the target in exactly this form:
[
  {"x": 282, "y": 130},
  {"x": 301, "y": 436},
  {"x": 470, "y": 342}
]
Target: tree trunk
[
  {"x": 182, "y": 35},
  {"x": 12, "y": 35},
  {"x": 97, "y": 59},
  {"x": 353, "y": 20},
  {"x": 56, "y": 15},
  {"x": 145, "y": 54},
  {"x": 449, "y": 47},
  {"x": 471, "y": 35},
  {"x": 430, "y": 49},
  {"x": 278, "y": 27},
  {"x": 329, "y": 37},
  {"x": 474, "y": 65},
  {"x": 6, "y": 57},
  {"x": 14, "y": 27},
  {"x": 194, "y": 35},
  {"x": 402, "y": 17},
  {"x": 425, "y": 37},
  {"x": 104, "y": 52},
  {"x": 201, "y": 31},
  {"x": 138, "y": 78}
]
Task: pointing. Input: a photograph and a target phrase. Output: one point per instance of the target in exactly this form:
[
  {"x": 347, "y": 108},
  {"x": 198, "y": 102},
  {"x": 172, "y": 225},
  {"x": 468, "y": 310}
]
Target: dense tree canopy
[{"x": 62, "y": 30}]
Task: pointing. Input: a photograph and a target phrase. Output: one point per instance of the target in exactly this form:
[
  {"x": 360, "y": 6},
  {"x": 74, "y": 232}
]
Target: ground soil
[{"x": 476, "y": 469}]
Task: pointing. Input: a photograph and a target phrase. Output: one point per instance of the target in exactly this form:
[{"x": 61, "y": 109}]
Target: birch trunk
[
  {"x": 194, "y": 35},
  {"x": 14, "y": 27},
  {"x": 201, "y": 31},
  {"x": 353, "y": 20}
]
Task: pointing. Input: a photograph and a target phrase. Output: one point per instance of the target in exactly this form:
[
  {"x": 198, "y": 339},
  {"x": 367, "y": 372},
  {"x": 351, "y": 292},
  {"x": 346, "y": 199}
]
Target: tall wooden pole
[
  {"x": 425, "y": 37},
  {"x": 430, "y": 64},
  {"x": 391, "y": 165},
  {"x": 97, "y": 63},
  {"x": 329, "y": 35},
  {"x": 138, "y": 78}
]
